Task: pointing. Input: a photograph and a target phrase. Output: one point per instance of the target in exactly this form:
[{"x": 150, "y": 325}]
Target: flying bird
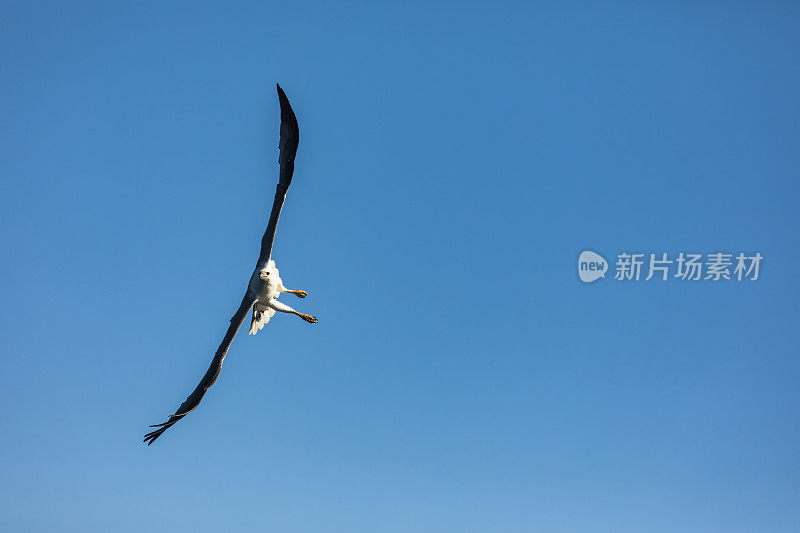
[{"x": 265, "y": 284}]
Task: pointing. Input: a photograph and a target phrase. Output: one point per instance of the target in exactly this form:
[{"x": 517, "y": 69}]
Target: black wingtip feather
[{"x": 151, "y": 437}]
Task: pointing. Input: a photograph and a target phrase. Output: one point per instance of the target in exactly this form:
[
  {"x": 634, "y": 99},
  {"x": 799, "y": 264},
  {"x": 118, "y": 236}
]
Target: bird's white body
[{"x": 266, "y": 284}]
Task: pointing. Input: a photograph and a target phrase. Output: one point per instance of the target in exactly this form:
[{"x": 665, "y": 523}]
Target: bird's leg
[
  {"x": 283, "y": 308},
  {"x": 298, "y": 293}
]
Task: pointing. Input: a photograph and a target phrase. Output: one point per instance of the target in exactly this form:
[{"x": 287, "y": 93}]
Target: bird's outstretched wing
[
  {"x": 290, "y": 137},
  {"x": 211, "y": 374}
]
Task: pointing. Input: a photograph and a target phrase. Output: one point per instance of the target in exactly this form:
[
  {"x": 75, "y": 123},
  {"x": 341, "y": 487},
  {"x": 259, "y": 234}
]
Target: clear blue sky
[{"x": 454, "y": 161}]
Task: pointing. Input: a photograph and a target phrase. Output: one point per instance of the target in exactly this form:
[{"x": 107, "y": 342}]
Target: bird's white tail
[{"x": 261, "y": 315}]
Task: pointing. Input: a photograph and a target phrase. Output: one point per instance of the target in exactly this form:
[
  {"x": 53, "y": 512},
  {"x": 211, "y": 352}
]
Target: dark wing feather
[
  {"x": 290, "y": 137},
  {"x": 211, "y": 374}
]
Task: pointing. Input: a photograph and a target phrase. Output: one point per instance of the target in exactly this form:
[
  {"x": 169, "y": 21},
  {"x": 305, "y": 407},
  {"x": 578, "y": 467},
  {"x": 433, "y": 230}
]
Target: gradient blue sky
[{"x": 454, "y": 160}]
